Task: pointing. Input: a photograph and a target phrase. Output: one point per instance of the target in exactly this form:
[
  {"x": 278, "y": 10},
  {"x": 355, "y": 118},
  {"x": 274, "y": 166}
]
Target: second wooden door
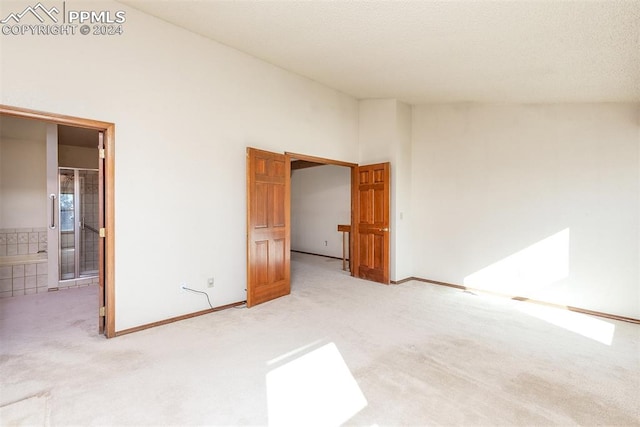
[
  {"x": 371, "y": 190},
  {"x": 268, "y": 226}
]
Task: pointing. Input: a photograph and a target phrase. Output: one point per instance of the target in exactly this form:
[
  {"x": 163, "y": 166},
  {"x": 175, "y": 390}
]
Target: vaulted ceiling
[{"x": 434, "y": 51}]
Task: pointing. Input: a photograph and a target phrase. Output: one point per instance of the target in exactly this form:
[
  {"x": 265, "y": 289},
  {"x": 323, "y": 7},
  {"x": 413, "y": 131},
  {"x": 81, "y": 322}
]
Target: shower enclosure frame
[{"x": 79, "y": 225}]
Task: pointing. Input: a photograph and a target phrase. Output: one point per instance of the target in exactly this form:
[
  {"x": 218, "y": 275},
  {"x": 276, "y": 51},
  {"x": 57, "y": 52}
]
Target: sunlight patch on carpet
[
  {"x": 582, "y": 324},
  {"x": 314, "y": 389},
  {"x": 293, "y": 353}
]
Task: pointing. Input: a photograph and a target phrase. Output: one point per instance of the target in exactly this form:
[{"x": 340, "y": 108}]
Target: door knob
[{"x": 384, "y": 229}]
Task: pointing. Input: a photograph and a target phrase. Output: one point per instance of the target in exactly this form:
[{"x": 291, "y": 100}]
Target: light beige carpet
[{"x": 336, "y": 351}]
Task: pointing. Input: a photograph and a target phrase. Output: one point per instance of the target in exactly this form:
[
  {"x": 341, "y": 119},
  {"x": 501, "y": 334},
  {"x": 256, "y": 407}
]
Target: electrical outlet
[
  {"x": 325, "y": 243},
  {"x": 210, "y": 282},
  {"x": 183, "y": 287}
]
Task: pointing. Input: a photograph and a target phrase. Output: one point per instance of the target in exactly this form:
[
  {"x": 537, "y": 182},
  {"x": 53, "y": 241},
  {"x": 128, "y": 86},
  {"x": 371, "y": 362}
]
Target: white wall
[
  {"x": 377, "y": 130},
  {"x": 540, "y": 201},
  {"x": 320, "y": 200},
  {"x": 185, "y": 108},
  {"x": 77, "y": 157},
  {"x": 385, "y": 136},
  {"x": 401, "y": 196},
  {"x": 23, "y": 183}
]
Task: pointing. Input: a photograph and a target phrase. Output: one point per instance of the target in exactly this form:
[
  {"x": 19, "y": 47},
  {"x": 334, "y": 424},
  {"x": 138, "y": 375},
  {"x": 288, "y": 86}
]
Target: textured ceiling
[{"x": 434, "y": 51}]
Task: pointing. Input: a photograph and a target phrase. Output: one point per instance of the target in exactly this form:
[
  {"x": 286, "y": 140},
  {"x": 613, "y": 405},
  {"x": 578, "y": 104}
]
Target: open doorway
[
  {"x": 78, "y": 206},
  {"x": 320, "y": 208},
  {"x": 269, "y": 222},
  {"x": 85, "y": 181},
  {"x": 369, "y": 228}
]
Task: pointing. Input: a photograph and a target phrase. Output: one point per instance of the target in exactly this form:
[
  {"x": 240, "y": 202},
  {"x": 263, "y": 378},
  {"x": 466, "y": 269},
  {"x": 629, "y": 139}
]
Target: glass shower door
[
  {"x": 78, "y": 223},
  {"x": 88, "y": 223},
  {"x": 67, "y": 224}
]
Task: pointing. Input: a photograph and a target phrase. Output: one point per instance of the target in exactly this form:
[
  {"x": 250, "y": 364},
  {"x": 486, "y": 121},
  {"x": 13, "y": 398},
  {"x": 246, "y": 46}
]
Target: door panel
[
  {"x": 268, "y": 226},
  {"x": 371, "y": 233},
  {"x": 279, "y": 259},
  {"x": 378, "y": 252},
  {"x": 261, "y": 205},
  {"x": 363, "y": 248},
  {"x": 365, "y": 206},
  {"x": 261, "y": 261},
  {"x": 278, "y": 203}
]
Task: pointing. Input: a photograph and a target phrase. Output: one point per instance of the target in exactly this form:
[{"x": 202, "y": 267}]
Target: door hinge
[
  {"x": 103, "y": 232},
  {"x": 101, "y": 153},
  {"x": 102, "y": 311}
]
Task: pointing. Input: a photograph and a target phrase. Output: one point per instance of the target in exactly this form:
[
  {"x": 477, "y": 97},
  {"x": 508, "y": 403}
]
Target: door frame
[
  {"x": 354, "y": 168},
  {"x": 109, "y": 197}
]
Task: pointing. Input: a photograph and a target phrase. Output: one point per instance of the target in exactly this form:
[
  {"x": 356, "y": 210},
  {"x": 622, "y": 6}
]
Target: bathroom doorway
[
  {"x": 78, "y": 230},
  {"x": 55, "y": 124}
]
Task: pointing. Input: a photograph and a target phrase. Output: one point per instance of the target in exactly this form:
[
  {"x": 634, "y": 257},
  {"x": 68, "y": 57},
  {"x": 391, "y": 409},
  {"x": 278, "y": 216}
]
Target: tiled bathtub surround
[
  {"x": 22, "y": 275},
  {"x": 22, "y": 241},
  {"x": 22, "y": 272}
]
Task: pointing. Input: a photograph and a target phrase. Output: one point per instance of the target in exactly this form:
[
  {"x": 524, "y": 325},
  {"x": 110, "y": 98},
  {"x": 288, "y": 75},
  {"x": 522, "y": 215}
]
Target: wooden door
[
  {"x": 371, "y": 190},
  {"x": 101, "y": 239},
  {"x": 268, "y": 226}
]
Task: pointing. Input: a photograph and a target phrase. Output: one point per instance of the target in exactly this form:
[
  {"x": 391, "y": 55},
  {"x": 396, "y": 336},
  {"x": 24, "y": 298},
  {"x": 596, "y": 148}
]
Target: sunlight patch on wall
[
  {"x": 579, "y": 323},
  {"x": 530, "y": 269},
  {"x": 314, "y": 389}
]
